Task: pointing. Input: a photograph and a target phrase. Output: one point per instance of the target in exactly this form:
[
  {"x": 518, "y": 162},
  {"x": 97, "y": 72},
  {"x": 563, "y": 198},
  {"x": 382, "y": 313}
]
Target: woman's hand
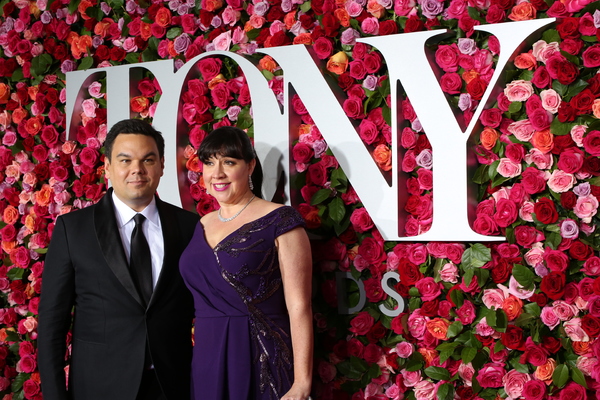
[{"x": 298, "y": 393}]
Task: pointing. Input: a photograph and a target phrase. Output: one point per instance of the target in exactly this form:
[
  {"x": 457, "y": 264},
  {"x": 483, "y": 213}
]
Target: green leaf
[
  {"x": 578, "y": 377},
  {"x": 133, "y": 58},
  {"x": 515, "y": 107},
  {"x": 454, "y": 329},
  {"x": 86, "y": 63},
  {"x": 476, "y": 256},
  {"x": 490, "y": 317},
  {"x": 353, "y": 368},
  {"x": 339, "y": 180},
  {"x": 561, "y": 128},
  {"x": 501, "y": 321},
  {"x": 306, "y": 6},
  {"x": 245, "y": 120},
  {"x": 320, "y": 196},
  {"x": 437, "y": 373},
  {"x": 468, "y": 354},
  {"x": 337, "y": 209},
  {"x": 73, "y": 6},
  {"x": 523, "y": 275},
  {"x": 551, "y": 35},
  {"x": 17, "y": 75},
  {"x": 514, "y": 362},
  {"x": 174, "y": 32},
  {"x": 40, "y": 64},
  {"x": 17, "y": 383},
  {"x": 94, "y": 12},
  {"x": 457, "y": 297},
  {"x": 560, "y": 375},
  {"x": 15, "y": 273},
  {"x": 445, "y": 391}
]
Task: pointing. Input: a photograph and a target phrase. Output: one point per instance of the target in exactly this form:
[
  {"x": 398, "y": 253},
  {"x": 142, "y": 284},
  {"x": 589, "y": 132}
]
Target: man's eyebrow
[{"x": 152, "y": 153}]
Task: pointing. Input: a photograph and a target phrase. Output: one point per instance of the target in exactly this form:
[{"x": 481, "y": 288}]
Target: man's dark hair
[
  {"x": 133, "y": 126},
  {"x": 229, "y": 141}
]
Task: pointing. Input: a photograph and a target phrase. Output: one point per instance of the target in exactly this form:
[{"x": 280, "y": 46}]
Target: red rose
[
  {"x": 476, "y": 88},
  {"x": 591, "y": 325},
  {"x": 361, "y": 324},
  {"x": 566, "y": 113},
  {"x": 414, "y": 24},
  {"x": 568, "y": 28},
  {"x": 568, "y": 200},
  {"x": 31, "y": 388},
  {"x": 572, "y": 46},
  {"x": 495, "y": 15},
  {"x": 501, "y": 270},
  {"x": 221, "y": 95},
  {"x": 513, "y": 338},
  {"x": 451, "y": 83},
  {"x": 372, "y": 353},
  {"x": 323, "y": 47},
  {"x": 317, "y": 174},
  {"x": 533, "y": 180},
  {"x": 562, "y": 69},
  {"x": 571, "y": 160},
  {"x": 582, "y": 102},
  {"x": 553, "y": 285},
  {"x": 591, "y": 143},
  {"x": 541, "y": 79},
  {"x": 330, "y": 24},
  {"x": 372, "y": 251},
  {"x": 545, "y": 211},
  {"x": 526, "y": 236},
  {"x": 580, "y": 251},
  {"x": 430, "y": 308},
  {"x": 372, "y": 62},
  {"x": 551, "y": 344},
  {"x": 485, "y": 225},
  {"x": 409, "y": 272},
  {"x": 376, "y": 332},
  {"x": 353, "y": 107},
  {"x": 573, "y": 391},
  {"x": 373, "y": 290},
  {"x": 388, "y": 27},
  {"x": 506, "y": 213},
  {"x": 556, "y": 260},
  {"x": 591, "y": 165},
  {"x": 117, "y": 54}
]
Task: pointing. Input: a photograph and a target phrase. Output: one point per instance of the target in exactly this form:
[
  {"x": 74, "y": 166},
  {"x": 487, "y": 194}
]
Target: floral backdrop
[{"x": 517, "y": 319}]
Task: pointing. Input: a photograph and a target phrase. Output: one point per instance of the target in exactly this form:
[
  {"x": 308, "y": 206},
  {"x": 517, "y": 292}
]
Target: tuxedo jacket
[{"x": 87, "y": 287}]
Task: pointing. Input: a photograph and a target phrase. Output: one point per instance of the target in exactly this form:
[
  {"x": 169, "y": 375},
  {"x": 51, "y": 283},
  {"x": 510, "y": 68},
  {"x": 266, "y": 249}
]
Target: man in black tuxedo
[{"x": 131, "y": 324}]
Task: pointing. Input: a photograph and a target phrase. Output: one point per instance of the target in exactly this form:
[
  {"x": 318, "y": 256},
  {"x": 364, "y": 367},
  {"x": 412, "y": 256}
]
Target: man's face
[{"x": 134, "y": 169}]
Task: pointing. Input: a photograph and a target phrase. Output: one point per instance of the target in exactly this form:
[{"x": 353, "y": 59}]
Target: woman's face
[{"x": 226, "y": 178}]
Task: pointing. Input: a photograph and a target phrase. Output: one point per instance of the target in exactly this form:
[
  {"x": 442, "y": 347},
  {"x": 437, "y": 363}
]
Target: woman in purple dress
[{"x": 249, "y": 269}]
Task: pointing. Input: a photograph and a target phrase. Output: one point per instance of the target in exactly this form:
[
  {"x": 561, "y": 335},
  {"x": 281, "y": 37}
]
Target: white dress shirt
[{"x": 152, "y": 230}]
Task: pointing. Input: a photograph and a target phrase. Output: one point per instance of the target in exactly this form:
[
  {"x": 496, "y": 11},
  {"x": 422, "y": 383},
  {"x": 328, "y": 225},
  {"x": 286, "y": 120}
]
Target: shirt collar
[{"x": 125, "y": 213}]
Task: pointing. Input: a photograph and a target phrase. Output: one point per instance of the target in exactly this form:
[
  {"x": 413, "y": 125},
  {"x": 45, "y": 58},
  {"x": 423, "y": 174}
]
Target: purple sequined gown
[{"x": 242, "y": 336}]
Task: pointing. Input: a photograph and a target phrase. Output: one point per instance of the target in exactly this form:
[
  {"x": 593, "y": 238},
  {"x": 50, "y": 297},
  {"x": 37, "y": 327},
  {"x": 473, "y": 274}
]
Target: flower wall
[{"x": 517, "y": 319}]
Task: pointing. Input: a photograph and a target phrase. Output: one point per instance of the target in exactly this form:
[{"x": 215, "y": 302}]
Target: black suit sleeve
[{"x": 56, "y": 303}]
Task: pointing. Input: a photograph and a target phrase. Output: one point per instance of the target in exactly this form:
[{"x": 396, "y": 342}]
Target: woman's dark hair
[
  {"x": 229, "y": 141},
  {"x": 133, "y": 126}
]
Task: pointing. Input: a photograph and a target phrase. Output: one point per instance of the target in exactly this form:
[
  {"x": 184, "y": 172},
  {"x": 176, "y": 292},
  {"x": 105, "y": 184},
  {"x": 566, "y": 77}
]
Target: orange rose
[
  {"x": 139, "y": 104},
  {"x": 18, "y": 115},
  {"x": 7, "y": 247},
  {"x": 163, "y": 17},
  {"x": 543, "y": 140},
  {"x": 438, "y": 327},
  {"x": 80, "y": 45},
  {"x": 215, "y": 81},
  {"x": 303, "y": 38},
  {"x": 383, "y": 157},
  {"x": 489, "y": 137},
  {"x": 468, "y": 76},
  {"x": 375, "y": 9},
  {"x": 189, "y": 151},
  {"x": 352, "y": 253},
  {"x": 525, "y": 61},
  {"x": 5, "y": 118},
  {"x": 171, "y": 49},
  {"x": 289, "y": 20},
  {"x": 544, "y": 372},
  {"x": 145, "y": 30},
  {"x": 84, "y": 5},
  {"x": 102, "y": 27},
  {"x": 338, "y": 63},
  {"x": 193, "y": 164},
  {"x": 581, "y": 348},
  {"x": 513, "y": 307},
  {"x": 211, "y": 5},
  {"x": 68, "y": 147},
  {"x": 267, "y": 63},
  {"x": 35, "y": 376},
  {"x": 44, "y": 195},
  {"x": 4, "y": 93},
  {"x": 30, "y": 222},
  {"x": 10, "y": 215},
  {"x": 4, "y": 335},
  {"x": 33, "y": 126},
  {"x": 342, "y": 15},
  {"x": 428, "y": 355},
  {"x": 595, "y": 108},
  {"x": 32, "y": 92},
  {"x": 522, "y": 12}
]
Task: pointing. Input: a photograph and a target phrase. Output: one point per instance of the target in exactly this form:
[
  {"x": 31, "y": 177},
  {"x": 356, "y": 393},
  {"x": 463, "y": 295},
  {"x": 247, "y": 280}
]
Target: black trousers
[{"x": 149, "y": 387}]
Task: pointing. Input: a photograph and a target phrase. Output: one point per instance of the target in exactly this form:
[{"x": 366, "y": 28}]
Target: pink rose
[
  {"x": 466, "y": 313},
  {"x": 575, "y": 332},
  {"x": 466, "y": 372},
  {"x": 506, "y": 213},
  {"x": 514, "y": 383},
  {"x": 533, "y": 180},
  {"x": 447, "y": 56},
  {"x": 540, "y": 159},
  {"x": 361, "y": 323},
  {"x": 534, "y": 390},
  {"x": 428, "y": 288},
  {"x": 591, "y": 143},
  {"x": 425, "y": 390},
  {"x": 561, "y": 181},
  {"x": 417, "y": 253},
  {"x": 519, "y": 90},
  {"x": 327, "y": 371},
  {"x": 549, "y": 317},
  {"x": 550, "y": 100},
  {"x": 411, "y": 378},
  {"x": 591, "y": 266},
  {"x": 417, "y": 324},
  {"x": 404, "y": 349},
  {"x": 361, "y": 221},
  {"x": 368, "y": 131},
  {"x": 449, "y": 273},
  {"x": 491, "y": 375},
  {"x": 522, "y": 129},
  {"x": 508, "y": 168},
  {"x": 370, "y": 26},
  {"x": 493, "y": 298},
  {"x": 586, "y": 207}
]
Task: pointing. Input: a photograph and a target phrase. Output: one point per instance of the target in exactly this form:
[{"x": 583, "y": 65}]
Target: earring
[{"x": 250, "y": 184}]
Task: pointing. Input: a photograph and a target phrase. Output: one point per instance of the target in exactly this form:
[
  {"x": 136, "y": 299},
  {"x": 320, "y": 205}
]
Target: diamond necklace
[{"x": 236, "y": 214}]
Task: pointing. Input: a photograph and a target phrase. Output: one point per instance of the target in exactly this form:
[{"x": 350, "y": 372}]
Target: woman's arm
[{"x": 296, "y": 271}]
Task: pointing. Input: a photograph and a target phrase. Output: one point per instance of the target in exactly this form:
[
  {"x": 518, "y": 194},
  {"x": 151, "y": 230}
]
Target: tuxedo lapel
[
  {"x": 171, "y": 238},
  {"x": 107, "y": 232}
]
